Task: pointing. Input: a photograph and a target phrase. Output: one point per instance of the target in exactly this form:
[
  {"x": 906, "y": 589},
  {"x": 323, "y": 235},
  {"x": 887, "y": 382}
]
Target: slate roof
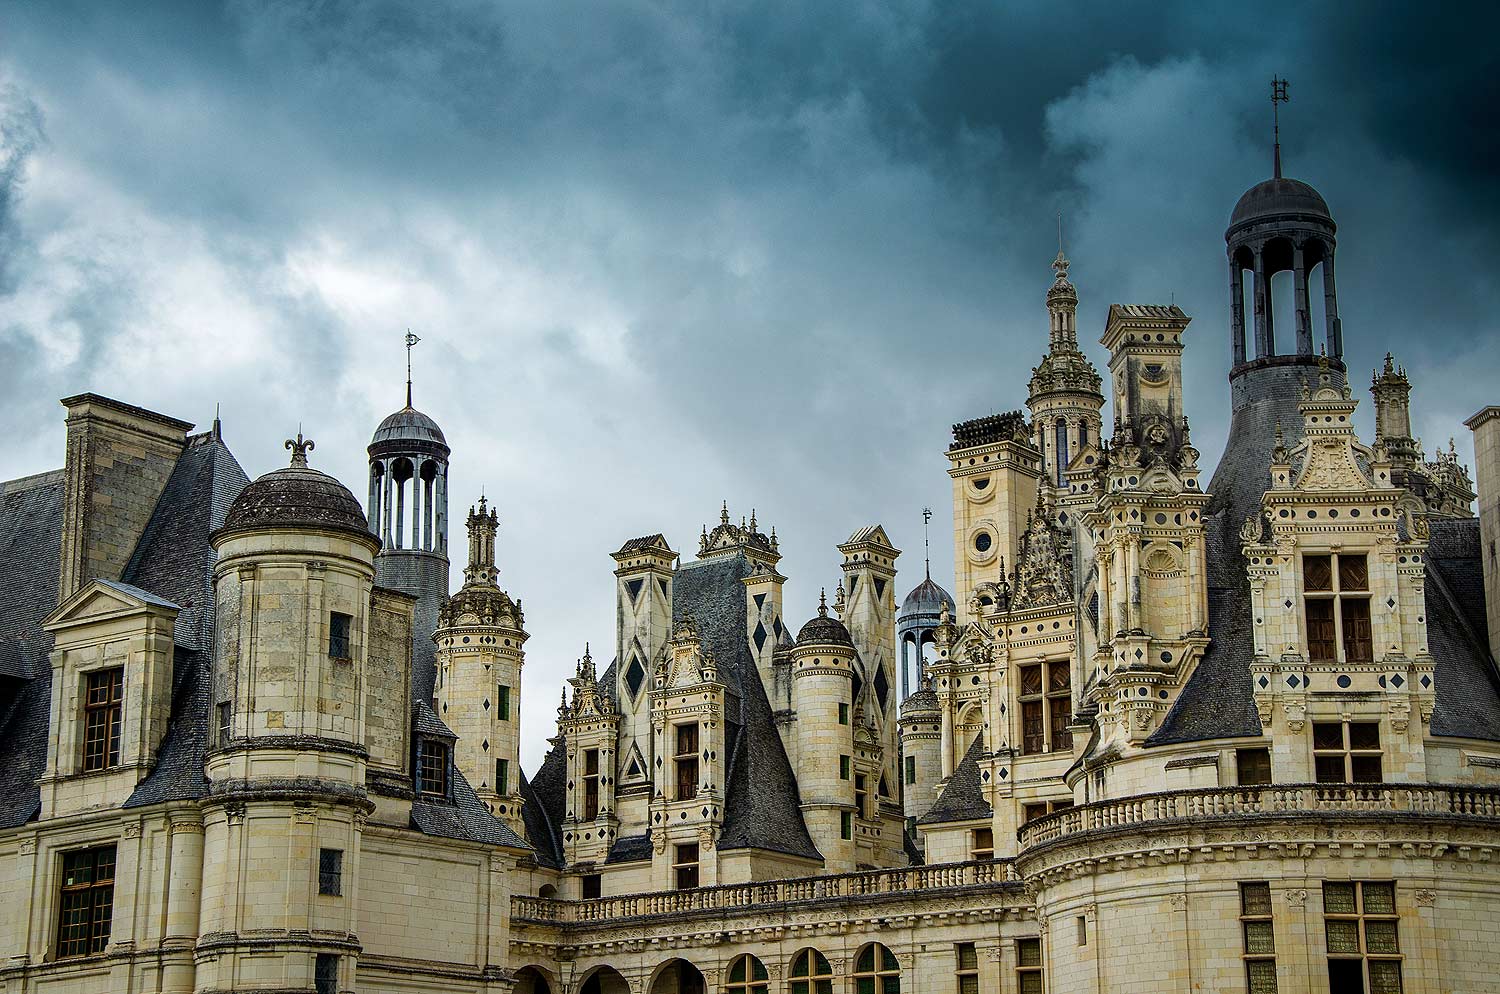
[
  {"x": 963, "y": 797},
  {"x": 762, "y": 806},
  {"x": 466, "y": 817},
  {"x": 1218, "y": 699},
  {"x": 543, "y": 812}
]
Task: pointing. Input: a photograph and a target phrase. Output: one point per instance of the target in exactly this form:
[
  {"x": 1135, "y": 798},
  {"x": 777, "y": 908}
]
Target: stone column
[
  {"x": 184, "y": 894},
  {"x": 1237, "y": 310},
  {"x": 1263, "y": 345},
  {"x": 1333, "y": 332},
  {"x": 1299, "y": 302}
]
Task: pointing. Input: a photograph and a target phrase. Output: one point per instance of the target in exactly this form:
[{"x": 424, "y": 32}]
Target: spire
[
  {"x": 483, "y": 523},
  {"x": 926, "y": 545},
  {"x": 822, "y": 602},
  {"x": 410, "y": 341},
  {"x": 1278, "y": 96}
]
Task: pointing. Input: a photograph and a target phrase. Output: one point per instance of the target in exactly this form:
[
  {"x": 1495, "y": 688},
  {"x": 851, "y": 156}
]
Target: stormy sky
[{"x": 664, "y": 254}]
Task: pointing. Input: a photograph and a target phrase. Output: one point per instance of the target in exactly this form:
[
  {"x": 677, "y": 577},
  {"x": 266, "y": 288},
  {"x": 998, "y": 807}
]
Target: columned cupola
[{"x": 1065, "y": 397}]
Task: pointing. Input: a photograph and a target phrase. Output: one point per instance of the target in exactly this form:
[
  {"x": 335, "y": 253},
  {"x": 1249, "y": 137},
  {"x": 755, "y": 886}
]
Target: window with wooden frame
[
  {"x": 876, "y": 971},
  {"x": 967, "y": 968},
  {"x": 846, "y": 767},
  {"x": 1361, "y": 924},
  {"x": 910, "y": 765},
  {"x": 502, "y": 702},
  {"x": 747, "y": 975},
  {"x": 331, "y": 872},
  {"x": 811, "y": 973},
  {"x": 590, "y": 784},
  {"x": 225, "y": 721},
  {"x": 1252, "y": 767},
  {"x": 1029, "y": 966},
  {"x": 432, "y": 770},
  {"x": 1347, "y": 752},
  {"x": 502, "y": 776},
  {"x": 103, "y": 711},
  {"x": 339, "y": 627},
  {"x": 846, "y": 825},
  {"x": 861, "y": 796},
  {"x": 843, "y": 714},
  {"x": 685, "y": 760},
  {"x": 1336, "y": 605},
  {"x": 1258, "y": 937},
  {"x": 85, "y": 901},
  {"x": 982, "y": 844},
  {"x": 1046, "y": 707},
  {"x": 685, "y": 866}
]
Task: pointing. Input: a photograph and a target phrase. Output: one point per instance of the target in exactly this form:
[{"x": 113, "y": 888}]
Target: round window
[{"x": 982, "y": 542}]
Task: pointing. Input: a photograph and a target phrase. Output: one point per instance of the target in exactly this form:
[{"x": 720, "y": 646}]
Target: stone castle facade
[{"x": 1178, "y": 732}]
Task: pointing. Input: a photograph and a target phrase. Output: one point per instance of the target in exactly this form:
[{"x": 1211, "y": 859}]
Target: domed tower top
[
  {"x": 296, "y": 497},
  {"x": 1280, "y": 225},
  {"x": 408, "y": 509}
]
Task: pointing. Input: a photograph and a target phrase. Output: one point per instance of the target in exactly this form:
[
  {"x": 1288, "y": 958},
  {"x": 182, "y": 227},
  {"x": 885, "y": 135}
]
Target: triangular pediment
[{"x": 102, "y": 599}]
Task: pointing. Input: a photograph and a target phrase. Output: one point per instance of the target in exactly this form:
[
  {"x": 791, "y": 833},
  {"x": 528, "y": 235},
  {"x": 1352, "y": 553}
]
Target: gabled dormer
[{"x": 111, "y": 694}]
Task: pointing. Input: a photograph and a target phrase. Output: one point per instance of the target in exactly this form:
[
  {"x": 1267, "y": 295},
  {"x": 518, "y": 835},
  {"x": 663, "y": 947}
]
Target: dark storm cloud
[{"x": 664, "y": 253}]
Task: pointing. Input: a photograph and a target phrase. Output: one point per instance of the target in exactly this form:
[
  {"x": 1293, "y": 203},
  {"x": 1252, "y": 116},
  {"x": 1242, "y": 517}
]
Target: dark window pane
[
  {"x": 1029, "y": 952},
  {"x": 1338, "y": 899},
  {"x": 1353, "y": 573},
  {"x": 865, "y": 961},
  {"x": 331, "y": 872},
  {"x": 1379, "y": 898},
  {"x": 1385, "y": 976},
  {"x": 1366, "y": 769},
  {"x": 1356, "y": 614},
  {"x": 1343, "y": 935},
  {"x": 1317, "y": 573},
  {"x": 1255, "y": 899},
  {"x": 1031, "y": 679},
  {"x": 1259, "y": 938},
  {"x": 1346, "y": 976},
  {"x": 1032, "y": 734},
  {"x": 1253, "y": 766},
  {"x": 338, "y": 635},
  {"x": 1261, "y": 974},
  {"x": 1328, "y": 735},
  {"x": 1364, "y": 735},
  {"x": 1330, "y": 769}
]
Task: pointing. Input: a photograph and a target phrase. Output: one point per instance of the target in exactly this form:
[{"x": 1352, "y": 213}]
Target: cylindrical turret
[
  {"x": 286, "y": 804},
  {"x": 479, "y": 638},
  {"x": 921, "y": 725},
  {"x": 822, "y": 696}
]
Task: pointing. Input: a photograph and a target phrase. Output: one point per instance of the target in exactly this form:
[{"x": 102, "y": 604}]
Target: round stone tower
[
  {"x": 921, "y": 725},
  {"x": 286, "y": 771},
  {"x": 822, "y": 689}
]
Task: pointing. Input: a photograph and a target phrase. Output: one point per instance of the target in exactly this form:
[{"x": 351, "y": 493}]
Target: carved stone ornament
[
  {"x": 1296, "y": 899},
  {"x": 1426, "y": 898},
  {"x": 1044, "y": 569}
]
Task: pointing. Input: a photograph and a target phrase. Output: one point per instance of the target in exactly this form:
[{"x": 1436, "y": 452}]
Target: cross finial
[
  {"x": 300, "y": 448},
  {"x": 410, "y": 341},
  {"x": 1278, "y": 96}
]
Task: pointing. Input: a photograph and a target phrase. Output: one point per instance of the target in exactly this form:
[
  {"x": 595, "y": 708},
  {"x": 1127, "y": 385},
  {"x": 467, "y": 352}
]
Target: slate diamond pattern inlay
[
  {"x": 1398, "y": 680},
  {"x": 1292, "y": 681}
]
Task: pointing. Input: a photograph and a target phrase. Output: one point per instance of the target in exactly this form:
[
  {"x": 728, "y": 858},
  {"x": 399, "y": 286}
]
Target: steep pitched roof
[
  {"x": 963, "y": 797},
  {"x": 1467, "y": 695},
  {"x": 762, "y": 806},
  {"x": 543, "y": 811}
]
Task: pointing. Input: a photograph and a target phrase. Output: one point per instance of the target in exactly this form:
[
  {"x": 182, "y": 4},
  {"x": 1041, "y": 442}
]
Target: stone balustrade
[
  {"x": 1271, "y": 801},
  {"x": 908, "y": 881}
]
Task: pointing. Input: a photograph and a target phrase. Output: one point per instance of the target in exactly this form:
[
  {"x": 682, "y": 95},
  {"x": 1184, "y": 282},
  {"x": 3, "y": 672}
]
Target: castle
[{"x": 1172, "y": 735}]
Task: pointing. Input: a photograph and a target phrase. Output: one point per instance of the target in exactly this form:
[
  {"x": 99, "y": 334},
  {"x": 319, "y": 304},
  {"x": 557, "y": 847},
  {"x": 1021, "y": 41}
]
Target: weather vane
[
  {"x": 926, "y": 546},
  {"x": 1278, "y": 96},
  {"x": 410, "y": 341}
]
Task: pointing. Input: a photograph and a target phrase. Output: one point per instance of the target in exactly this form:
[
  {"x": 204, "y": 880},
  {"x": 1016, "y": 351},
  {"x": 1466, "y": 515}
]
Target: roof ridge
[{"x": 33, "y": 481}]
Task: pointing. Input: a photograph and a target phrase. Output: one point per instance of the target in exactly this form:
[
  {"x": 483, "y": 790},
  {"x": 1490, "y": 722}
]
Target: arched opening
[
  {"x": 547, "y": 891},
  {"x": 1241, "y": 299},
  {"x": 876, "y": 971},
  {"x": 428, "y": 476},
  {"x": 970, "y": 723},
  {"x": 811, "y": 973},
  {"x": 401, "y": 472},
  {"x": 604, "y": 980},
  {"x": 532, "y": 980},
  {"x": 747, "y": 975},
  {"x": 377, "y": 482},
  {"x": 678, "y": 976}
]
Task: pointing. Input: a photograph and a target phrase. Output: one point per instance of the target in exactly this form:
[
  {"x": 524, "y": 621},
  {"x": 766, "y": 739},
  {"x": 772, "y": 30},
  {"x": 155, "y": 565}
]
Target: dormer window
[
  {"x": 432, "y": 769},
  {"x": 102, "y": 713},
  {"x": 590, "y": 784},
  {"x": 1336, "y": 594}
]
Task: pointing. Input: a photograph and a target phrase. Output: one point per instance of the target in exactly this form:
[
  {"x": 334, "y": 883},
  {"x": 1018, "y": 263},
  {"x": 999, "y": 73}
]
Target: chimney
[
  {"x": 118, "y": 461},
  {"x": 1486, "y": 428}
]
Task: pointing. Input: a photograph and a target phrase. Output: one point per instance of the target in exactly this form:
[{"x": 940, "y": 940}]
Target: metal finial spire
[
  {"x": 1278, "y": 96},
  {"x": 410, "y": 341},
  {"x": 822, "y": 602},
  {"x": 926, "y": 545}
]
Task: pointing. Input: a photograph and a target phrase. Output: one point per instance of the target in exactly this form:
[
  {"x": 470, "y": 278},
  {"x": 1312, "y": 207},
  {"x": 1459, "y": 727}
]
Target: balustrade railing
[
  {"x": 1270, "y": 800},
  {"x": 900, "y": 880}
]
